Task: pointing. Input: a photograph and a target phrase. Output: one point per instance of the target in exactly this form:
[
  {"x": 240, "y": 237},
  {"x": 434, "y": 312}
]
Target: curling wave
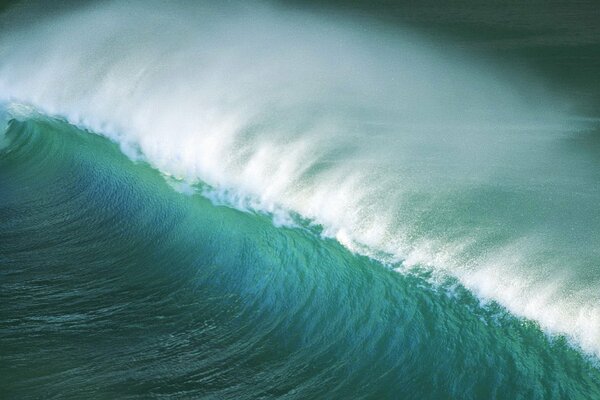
[
  {"x": 114, "y": 285},
  {"x": 397, "y": 148}
]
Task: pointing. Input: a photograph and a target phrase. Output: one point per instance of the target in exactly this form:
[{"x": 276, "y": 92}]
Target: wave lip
[{"x": 392, "y": 145}]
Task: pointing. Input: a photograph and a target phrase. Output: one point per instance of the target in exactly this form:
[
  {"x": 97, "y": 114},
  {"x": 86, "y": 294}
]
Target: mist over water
[{"x": 400, "y": 149}]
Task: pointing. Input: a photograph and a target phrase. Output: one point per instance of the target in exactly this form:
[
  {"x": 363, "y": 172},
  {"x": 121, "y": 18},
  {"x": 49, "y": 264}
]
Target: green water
[
  {"x": 333, "y": 199},
  {"x": 114, "y": 285}
]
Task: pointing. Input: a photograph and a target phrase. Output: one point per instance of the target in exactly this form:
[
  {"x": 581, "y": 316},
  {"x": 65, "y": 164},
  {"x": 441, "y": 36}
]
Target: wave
[
  {"x": 114, "y": 285},
  {"x": 394, "y": 146}
]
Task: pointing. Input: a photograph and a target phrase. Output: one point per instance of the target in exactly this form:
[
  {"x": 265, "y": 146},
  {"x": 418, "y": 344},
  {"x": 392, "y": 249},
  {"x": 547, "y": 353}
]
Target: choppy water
[{"x": 243, "y": 201}]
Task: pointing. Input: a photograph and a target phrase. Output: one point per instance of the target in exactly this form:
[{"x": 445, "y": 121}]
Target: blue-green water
[
  {"x": 202, "y": 201},
  {"x": 114, "y": 285}
]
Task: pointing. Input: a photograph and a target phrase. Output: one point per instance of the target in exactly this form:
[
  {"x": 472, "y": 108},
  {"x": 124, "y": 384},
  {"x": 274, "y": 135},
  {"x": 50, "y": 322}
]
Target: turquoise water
[
  {"x": 224, "y": 201},
  {"x": 114, "y": 285}
]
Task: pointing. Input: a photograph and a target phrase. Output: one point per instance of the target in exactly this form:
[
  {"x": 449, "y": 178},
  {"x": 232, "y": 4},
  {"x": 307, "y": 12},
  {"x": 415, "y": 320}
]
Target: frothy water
[{"x": 398, "y": 148}]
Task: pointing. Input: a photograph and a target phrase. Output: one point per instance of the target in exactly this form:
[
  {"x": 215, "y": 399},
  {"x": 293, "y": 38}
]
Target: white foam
[{"x": 369, "y": 133}]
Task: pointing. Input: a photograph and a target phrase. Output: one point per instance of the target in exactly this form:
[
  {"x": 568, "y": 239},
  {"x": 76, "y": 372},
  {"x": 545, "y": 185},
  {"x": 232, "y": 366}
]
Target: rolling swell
[
  {"x": 396, "y": 147},
  {"x": 113, "y": 284},
  {"x": 442, "y": 166}
]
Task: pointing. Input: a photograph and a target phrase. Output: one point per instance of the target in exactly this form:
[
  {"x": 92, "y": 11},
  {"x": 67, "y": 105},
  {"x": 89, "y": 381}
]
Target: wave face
[
  {"x": 114, "y": 285},
  {"x": 424, "y": 159}
]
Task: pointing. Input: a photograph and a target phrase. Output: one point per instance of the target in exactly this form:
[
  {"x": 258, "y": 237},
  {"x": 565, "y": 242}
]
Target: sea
[{"x": 300, "y": 199}]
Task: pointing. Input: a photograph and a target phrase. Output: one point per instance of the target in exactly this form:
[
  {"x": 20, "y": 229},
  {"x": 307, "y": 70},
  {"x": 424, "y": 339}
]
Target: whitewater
[{"x": 397, "y": 146}]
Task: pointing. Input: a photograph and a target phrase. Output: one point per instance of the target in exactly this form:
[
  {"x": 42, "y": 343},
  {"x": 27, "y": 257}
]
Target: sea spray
[
  {"x": 128, "y": 288},
  {"x": 387, "y": 141}
]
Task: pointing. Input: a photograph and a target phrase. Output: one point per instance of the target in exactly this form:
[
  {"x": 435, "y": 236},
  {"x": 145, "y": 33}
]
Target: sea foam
[{"x": 392, "y": 143}]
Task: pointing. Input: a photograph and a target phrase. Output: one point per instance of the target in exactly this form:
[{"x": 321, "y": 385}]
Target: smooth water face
[{"x": 407, "y": 150}]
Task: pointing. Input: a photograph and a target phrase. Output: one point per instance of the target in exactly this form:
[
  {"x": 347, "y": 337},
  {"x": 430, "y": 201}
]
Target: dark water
[
  {"x": 157, "y": 262},
  {"x": 114, "y": 285}
]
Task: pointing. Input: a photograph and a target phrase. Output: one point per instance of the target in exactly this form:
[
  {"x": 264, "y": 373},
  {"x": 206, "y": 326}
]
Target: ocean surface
[{"x": 299, "y": 199}]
